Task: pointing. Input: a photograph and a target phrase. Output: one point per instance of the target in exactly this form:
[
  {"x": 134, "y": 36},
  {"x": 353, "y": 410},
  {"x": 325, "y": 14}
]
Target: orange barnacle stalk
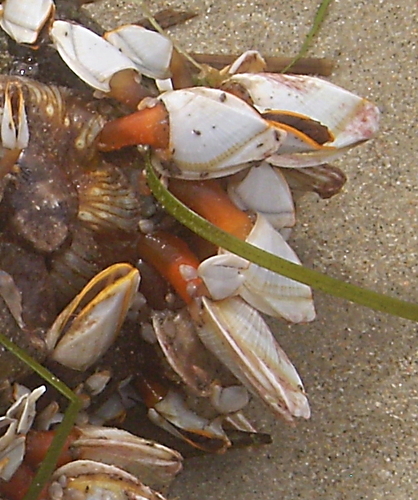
[
  {"x": 126, "y": 88},
  {"x": 226, "y": 274},
  {"x": 209, "y": 200},
  {"x": 38, "y": 443},
  {"x": 152, "y": 391},
  {"x": 17, "y": 487},
  {"x": 174, "y": 261},
  {"x": 148, "y": 125}
]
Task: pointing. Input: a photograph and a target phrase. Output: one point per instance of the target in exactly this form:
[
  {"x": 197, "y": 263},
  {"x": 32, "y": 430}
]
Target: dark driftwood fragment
[
  {"x": 305, "y": 66},
  {"x": 168, "y": 17}
]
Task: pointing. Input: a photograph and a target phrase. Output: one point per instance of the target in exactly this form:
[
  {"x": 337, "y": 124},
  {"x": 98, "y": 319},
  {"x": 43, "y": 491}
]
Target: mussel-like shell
[
  {"x": 89, "y": 480},
  {"x": 173, "y": 414},
  {"x": 325, "y": 180},
  {"x": 107, "y": 202},
  {"x": 201, "y": 373},
  {"x": 184, "y": 351},
  {"x": 349, "y": 119},
  {"x": 271, "y": 293},
  {"x": 100, "y": 310}
]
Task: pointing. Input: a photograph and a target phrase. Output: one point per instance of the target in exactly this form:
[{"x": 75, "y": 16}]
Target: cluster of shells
[{"x": 110, "y": 292}]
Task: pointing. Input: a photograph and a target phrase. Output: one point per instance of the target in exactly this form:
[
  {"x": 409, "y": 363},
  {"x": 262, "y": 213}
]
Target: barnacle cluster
[{"x": 79, "y": 230}]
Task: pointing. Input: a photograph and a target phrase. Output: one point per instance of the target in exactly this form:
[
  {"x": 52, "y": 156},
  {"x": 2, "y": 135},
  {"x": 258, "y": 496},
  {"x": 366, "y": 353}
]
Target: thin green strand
[
  {"x": 316, "y": 26},
  {"x": 48, "y": 464},
  {"x": 315, "y": 279}
]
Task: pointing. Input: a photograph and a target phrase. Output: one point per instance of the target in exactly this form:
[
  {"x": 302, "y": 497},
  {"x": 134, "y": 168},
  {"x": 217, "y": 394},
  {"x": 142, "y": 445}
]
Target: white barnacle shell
[
  {"x": 264, "y": 190},
  {"x": 213, "y": 133},
  {"x": 223, "y": 274},
  {"x": 23, "y": 21},
  {"x": 196, "y": 367},
  {"x": 349, "y": 118},
  {"x": 18, "y": 420},
  {"x": 90, "y": 56},
  {"x": 148, "y": 50},
  {"x": 250, "y": 61},
  {"x": 237, "y": 334},
  {"x": 269, "y": 292},
  {"x": 152, "y": 463},
  {"x": 183, "y": 350},
  {"x": 11, "y": 295},
  {"x": 14, "y": 128},
  {"x": 173, "y": 414}
]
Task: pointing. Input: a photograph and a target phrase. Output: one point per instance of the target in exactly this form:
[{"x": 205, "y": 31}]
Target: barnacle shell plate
[
  {"x": 24, "y": 25},
  {"x": 18, "y": 419},
  {"x": 269, "y": 292},
  {"x": 14, "y": 122},
  {"x": 150, "y": 51},
  {"x": 264, "y": 190},
  {"x": 349, "y": 118},
  {"x": 91, "y": 57},
  {"x": 212, "y": 133},
  {"x": 153, "y": 463},
  {"x": 237, "y": 334}
]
